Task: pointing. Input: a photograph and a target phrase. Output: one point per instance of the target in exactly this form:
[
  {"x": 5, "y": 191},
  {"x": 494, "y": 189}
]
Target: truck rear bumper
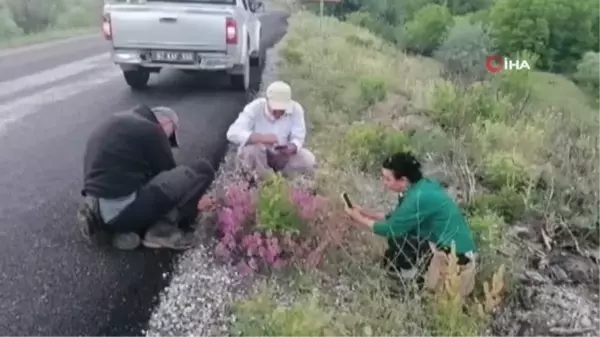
[{"x": 134, "y": 58}]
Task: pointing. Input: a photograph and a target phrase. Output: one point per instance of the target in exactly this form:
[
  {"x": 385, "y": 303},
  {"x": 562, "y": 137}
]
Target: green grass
[
  {"x": 47, "y": 36},
  {"x": 559, "y": 91}
]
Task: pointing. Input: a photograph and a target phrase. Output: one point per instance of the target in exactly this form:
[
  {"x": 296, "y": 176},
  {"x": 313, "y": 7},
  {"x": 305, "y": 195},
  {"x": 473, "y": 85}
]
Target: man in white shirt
[{"x": 270, "y": 133}]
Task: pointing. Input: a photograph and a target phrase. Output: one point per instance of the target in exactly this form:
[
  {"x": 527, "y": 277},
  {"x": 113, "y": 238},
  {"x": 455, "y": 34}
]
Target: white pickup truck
[{"x": 190, "y": 35}]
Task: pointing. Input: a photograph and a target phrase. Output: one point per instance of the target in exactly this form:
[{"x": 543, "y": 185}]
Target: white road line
[
  {"x": 18, "y": 109},
  {"x": 26, "y": 49},
  {"x": 52, "y": 75}
]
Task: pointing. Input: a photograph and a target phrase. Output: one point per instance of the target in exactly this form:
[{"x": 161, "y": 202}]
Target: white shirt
[{"x": 256, "y": 118}]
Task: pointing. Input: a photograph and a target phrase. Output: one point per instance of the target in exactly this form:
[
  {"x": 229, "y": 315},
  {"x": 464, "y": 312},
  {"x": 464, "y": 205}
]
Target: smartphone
[{"x": 347, "y": 200}]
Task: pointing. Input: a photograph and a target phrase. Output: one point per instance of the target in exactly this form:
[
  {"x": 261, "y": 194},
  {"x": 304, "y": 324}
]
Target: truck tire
[
  {"x": 241, "y": 82},
  {"x": 137, "y": 79},
  {"x": 259, "y": 60}
]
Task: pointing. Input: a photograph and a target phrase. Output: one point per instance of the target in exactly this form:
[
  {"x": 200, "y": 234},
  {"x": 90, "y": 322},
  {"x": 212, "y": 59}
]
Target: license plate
[{"x": 172, "y": 56}]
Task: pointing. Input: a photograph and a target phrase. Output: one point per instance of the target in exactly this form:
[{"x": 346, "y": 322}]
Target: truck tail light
[
  {"x": 231, "y": 34},
  {"x": 107, "y": 26}
]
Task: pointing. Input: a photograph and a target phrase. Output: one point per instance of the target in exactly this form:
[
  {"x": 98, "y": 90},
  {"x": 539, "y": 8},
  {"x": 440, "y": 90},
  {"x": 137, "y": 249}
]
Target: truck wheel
[
  {"x": 241, "y": 81},
  {"x": 137, "y": 79},
  {"x": 258, "y": 60}
]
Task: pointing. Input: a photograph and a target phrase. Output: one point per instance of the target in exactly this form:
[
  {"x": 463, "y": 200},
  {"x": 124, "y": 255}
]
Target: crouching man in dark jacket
[{"x": 133, "y": 191}]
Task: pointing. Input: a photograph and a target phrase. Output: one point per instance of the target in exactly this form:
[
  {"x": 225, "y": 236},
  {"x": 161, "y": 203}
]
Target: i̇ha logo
[{"x": 495, "y": 63}]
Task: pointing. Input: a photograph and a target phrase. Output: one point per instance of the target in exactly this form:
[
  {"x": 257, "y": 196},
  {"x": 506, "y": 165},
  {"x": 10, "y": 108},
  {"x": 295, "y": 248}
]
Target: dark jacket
[{"x": 124, "y": 153}]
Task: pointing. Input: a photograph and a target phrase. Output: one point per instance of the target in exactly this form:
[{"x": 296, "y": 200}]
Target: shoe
[
  {"x": 166, "y": 235},
  {"x": 89, "y": 220},
  {"x": 126, "y": 241}
]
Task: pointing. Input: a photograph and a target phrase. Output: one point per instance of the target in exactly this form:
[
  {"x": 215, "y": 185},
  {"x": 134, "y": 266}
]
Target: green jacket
[{"x": 426, "y": 210}]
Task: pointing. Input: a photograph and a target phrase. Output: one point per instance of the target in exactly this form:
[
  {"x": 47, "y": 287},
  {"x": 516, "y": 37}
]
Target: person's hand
[
  {"x": 353, "y": 213},
  {"x": 289, "y": 149},
  {"x": 277, "y": 160},
  {"x": 207, "y": 203},
  {"x": 358, "y": 209},
  {"x": 268, "y": 139}
]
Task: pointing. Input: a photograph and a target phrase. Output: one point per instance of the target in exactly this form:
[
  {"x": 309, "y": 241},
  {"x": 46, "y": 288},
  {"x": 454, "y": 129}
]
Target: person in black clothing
[{"x": 133, "y": 188}]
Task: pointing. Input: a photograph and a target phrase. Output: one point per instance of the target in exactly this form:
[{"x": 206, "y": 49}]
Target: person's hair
[
  {"x": 404, "y": 164},
  {"x": 163, "y": 112}
]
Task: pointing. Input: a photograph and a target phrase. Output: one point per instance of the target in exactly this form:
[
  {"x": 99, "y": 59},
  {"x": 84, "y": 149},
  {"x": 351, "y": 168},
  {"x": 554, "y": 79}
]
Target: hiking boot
[
  {"x": 166, "y": 235},
  {"x": 126, "y": 241},
  {"x": 90, "y": 222}
]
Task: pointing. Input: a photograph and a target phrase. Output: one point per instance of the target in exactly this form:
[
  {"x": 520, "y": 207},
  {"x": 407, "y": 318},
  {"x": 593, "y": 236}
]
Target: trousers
[
  {"x": 172, "y": 194},
  {"x": 414, "y": 257},
  {"x": 255, "y": 157}
]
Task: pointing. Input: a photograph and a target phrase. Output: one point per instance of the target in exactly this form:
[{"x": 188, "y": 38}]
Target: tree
[
  {"x": 428, "y": 29},
  {"x": 559, "y": 31}
]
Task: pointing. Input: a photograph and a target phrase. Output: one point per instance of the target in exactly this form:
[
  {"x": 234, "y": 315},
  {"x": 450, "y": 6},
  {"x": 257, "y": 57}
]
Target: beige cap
[{"x": 279, "y": 95}]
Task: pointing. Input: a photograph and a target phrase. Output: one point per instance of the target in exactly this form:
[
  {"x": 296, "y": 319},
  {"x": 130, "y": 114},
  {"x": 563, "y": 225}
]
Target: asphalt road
[{"x": 51, "y": 97}]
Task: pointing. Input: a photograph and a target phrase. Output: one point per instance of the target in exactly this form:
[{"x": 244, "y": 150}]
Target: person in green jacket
[{"x": 426, "y": 219}]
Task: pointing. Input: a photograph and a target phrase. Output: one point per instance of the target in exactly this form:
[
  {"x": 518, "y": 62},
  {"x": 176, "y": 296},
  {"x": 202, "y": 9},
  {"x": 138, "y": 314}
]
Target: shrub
[
  {"x": 516, "y": 85},
  {"x": 464, "y": 50},
  {"x": 372, "y": 89},
  {"x": 454, "y": 108},
  {"x": 522, "y": 137},
  {"x": 459, "y": 7},
  {"x": 506, "y": 202},
  {"x": 33, "y": 16},
  {"x": 8, "y": 28},
  {"x": 488, "y": 229},
  {"x": 428, "y": 29},
  {"x": 588, "y": 72},
  {"x": 367, "y": 145},
  {"x": 275, "y": 211},
  {"x": 291, "y": 55},
  {"x": 502, "y": 168},
  {"x": 360, "y": 18}
]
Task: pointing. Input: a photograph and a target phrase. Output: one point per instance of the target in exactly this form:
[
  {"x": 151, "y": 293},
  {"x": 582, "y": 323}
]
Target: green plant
[
  {"x": 464, "y": 50},
  {"x": 516, "y": 85},
  {"x": 367, "y": 144},
  {"x": 8, "y": 28},
  {"x": 488, "y": 228},
  {"x": 502, "y": 168},
  {"x": 262, "y": 316},
  {"x": 275, "y": 210},
  {"x": 372, "y": 89},
  {"x": 360, "y": 18},
  {"x": 588, "y": 72},
  {"x": 428, "y": 29},
  {"x": 505, "y": 202},
  {"x": 454, "y": 315},
  {"x": 559, "y": 31},
  {"x": 291, "y": 55},
  {"x": 454, "y": 108}
]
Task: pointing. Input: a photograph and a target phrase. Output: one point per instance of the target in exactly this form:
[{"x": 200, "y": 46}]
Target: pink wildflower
[{"x": 227, "y": 222}]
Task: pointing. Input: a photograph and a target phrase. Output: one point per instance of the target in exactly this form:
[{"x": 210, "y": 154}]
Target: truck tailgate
[{"x": 169, "y": 26}]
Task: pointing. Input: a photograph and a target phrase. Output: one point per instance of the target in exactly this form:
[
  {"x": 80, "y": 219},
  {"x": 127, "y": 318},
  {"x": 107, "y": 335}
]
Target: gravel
[{"x": 198, "y": 299}]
